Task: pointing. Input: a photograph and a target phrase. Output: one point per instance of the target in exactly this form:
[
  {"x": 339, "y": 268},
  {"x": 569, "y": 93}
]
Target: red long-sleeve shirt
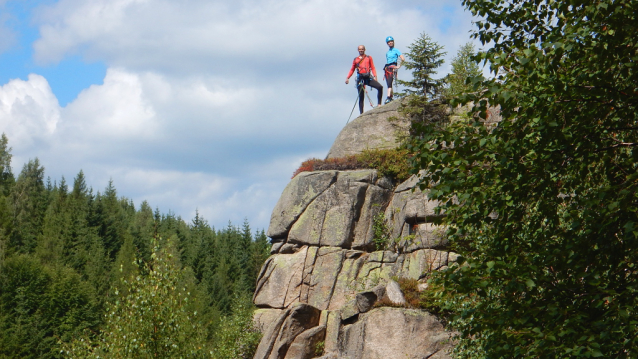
[{"x": 365, "y": 66}]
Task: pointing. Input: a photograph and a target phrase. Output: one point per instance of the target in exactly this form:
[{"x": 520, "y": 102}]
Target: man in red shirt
[{"x": 366, "y": 75}]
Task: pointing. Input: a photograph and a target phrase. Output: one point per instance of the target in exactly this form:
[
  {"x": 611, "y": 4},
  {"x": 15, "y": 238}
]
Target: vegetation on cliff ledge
[{"x": 393, "y": 163}]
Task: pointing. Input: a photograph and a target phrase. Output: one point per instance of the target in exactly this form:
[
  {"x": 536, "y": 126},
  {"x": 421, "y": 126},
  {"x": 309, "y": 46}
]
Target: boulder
[
  {"x": 371, "y": 130},
  {"x": 365, "y": 300},
  {"x": 329, "y": 277},
  {"x": 423, "y": 236},
  {"x": 342, "y": 213},
  {"x": 297, "y": 195},
  {"x": 305, "y": 344},
  {"x": 417, "y": 264},
  {"x": 374, "y": 204},
  {"x": 394, "y": 294},
  {"x": 279, "y": 282},
  {"x": 386, "y": 332},
  {"x": 263, "y": 317},
  {"x": 282, "y": 332}
]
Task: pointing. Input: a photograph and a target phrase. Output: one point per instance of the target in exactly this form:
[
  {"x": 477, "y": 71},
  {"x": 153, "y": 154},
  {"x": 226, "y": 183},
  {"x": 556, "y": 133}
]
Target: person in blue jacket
[{"x": 392, "y": 57}]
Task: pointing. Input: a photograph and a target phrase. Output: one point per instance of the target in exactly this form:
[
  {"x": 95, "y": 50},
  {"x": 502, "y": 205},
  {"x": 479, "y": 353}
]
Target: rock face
[
  {"x": 339, "y": 237},
  {"x": 371, "y": 130},
  {"x": 394, "y": 333}
]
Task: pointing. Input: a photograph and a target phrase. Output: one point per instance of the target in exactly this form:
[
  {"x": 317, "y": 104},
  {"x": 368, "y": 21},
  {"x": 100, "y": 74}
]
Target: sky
[{"x": 202, "y": 106}]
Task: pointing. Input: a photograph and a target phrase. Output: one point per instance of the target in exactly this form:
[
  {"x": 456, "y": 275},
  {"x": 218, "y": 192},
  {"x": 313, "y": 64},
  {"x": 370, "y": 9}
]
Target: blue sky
[
  {"x": 66, "y": 78},
  {"x": 204, "y": 105}
]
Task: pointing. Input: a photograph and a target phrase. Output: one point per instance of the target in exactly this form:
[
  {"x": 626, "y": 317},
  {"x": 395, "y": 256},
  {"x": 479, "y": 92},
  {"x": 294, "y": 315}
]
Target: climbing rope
[
  {"x": 369, "y": 99},
  {"x": 355, "y": 102}
]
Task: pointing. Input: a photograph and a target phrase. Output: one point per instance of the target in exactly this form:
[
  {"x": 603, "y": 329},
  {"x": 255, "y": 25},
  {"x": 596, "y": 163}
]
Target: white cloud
[
  {"x": 204, "y": 36},
  {"x": 29, "y": 112},
  {"x": 206, "y": 104},
  {"x": 116, "y": 110}
]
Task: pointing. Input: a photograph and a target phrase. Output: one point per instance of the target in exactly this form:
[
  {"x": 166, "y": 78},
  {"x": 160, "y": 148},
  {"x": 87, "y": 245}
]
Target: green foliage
[
  {"x": 6, "y": 175},
  {"x": 150, "y": 321},
  {"x": 424, "y": 56},
  {"x": 29, "y": 202},
  {"x": 39, "y": 304},
  {"x": 237, "y": 338},
  {"x": 422, "y": 103},
  {"x": 393, "y": 163},
  {"x": 542, "y": 206},
  {"x": 61, "y": 251},
  {"x": 465, "y": 73},
  {"x": 381, "y": 232},
  {"x": 320, "y": 348}
]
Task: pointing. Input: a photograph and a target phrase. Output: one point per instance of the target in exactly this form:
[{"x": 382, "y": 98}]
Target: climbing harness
[{"x": 361, "y": 83}]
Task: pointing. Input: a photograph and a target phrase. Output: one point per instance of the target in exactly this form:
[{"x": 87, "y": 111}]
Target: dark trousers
[{"x": 372, "y": 83}]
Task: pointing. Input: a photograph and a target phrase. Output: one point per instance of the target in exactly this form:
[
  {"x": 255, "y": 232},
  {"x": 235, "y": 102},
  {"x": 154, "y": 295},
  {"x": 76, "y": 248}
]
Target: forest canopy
[{"x": 67, "y": 254}]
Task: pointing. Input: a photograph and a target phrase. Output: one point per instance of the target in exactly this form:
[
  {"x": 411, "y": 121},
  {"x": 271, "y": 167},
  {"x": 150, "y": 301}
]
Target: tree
[
  {"x": 260, "y": 252},
  {"x": 465, "y": 72},
  {"x": 29, "y": 202},
  {"x": 110, "y": 219},
  {"x": 423, "y": 58},
  {"x": 6, "y": 175},
  {"x": 237, "y": 337},
  {"x": 151, "y": 320},
  {"x": 542, "y": 205},
  {"x": 41, "y": 305},
  {"x": 6, "y": 184}
]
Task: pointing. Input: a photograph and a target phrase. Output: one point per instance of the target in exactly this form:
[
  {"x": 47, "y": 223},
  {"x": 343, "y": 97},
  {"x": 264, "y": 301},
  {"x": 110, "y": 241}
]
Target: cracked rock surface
[{"x": 329, "y": 269}]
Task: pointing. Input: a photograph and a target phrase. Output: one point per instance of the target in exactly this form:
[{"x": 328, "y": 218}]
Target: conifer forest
[{"x": 87, "y": 273}]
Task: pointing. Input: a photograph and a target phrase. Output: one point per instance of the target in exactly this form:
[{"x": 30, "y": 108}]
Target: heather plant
[{"x": 393, "y": 163}]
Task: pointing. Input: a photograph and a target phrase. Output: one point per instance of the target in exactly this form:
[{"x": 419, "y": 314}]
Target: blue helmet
[{"x": 388, "y": 39}]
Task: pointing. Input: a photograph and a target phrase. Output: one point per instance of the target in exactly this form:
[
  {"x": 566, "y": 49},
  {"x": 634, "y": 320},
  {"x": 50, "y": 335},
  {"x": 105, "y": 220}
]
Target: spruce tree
[
  {"x": 6, "y": 184},
  {"x": 6, "y": 175},
  {"x": 29, "y": 202},
  {"x": 465, "y": 73},
  {"x": 259, "y": 253},
  {"x": 423, "y": 58}
]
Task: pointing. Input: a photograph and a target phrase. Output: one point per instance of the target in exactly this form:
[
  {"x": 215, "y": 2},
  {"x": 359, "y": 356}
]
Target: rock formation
[
  {"x": 371, "y": 130},
  {"x": 330, "y": 265}
]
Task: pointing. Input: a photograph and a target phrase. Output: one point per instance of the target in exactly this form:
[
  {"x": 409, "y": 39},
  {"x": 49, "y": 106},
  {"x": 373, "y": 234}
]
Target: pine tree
[
  {"x": 143, "y": 229},
  {"x": 6, "y": 184},
  {"x": 243, "y": 255},
  {"x": 41, "y": 305}
]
